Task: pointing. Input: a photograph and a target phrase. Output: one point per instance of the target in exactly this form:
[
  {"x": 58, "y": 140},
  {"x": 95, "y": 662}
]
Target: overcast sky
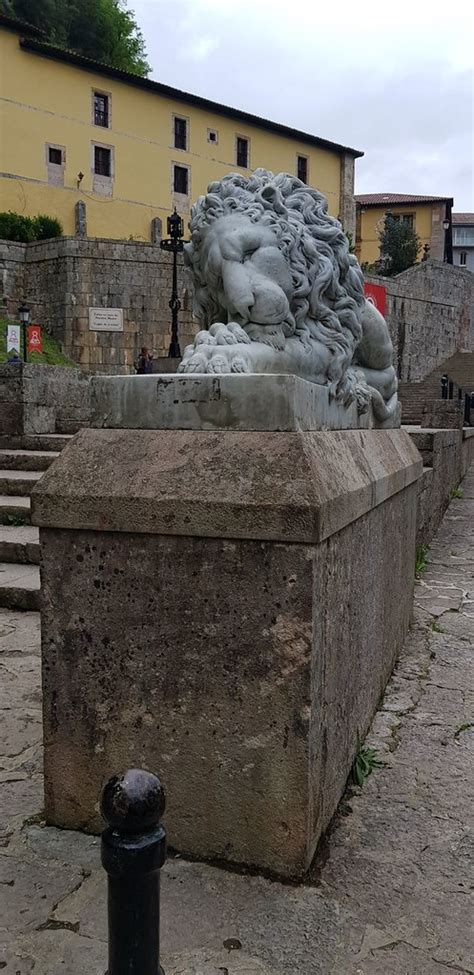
[{"x": 394, "y": 79}]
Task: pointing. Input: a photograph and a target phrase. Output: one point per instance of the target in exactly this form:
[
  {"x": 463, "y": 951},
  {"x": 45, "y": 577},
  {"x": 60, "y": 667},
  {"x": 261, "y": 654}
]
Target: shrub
[
  {"x": 15, "y": 226},
  {"x": 45, "y": 227}
]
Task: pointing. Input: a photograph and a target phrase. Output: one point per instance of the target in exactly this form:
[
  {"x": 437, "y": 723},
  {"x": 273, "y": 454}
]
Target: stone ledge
[
  {"x": 297, "y": 487},
  {"x": 222, "y": 402}
]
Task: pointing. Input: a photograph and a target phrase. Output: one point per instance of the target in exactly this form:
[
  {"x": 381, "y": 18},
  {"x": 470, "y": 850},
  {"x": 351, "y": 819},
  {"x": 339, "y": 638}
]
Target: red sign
[
  {"x": 376, "y": 294},
  {"x": 35, "y": 342}
]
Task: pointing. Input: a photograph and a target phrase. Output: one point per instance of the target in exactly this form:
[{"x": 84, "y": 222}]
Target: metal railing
[
  {"x": 133, "y": 851},
  {"x": 450, "y": 390}
]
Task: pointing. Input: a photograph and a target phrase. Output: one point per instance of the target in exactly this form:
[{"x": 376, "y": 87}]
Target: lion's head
[{"x": 265, "y": 253}]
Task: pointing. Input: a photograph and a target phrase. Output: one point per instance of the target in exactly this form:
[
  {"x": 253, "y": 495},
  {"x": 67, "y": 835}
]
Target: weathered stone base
[
  {"x": 224, "y": 402},
  {"x": 236, "y": 642}
]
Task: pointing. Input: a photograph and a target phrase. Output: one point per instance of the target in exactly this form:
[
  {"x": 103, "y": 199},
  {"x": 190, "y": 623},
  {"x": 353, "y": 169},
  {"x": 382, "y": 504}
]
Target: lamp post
[
  {"x": 24, "y": 316},
  {"x": 175, "y": 244},
  {"x": 445, "y": 228}
]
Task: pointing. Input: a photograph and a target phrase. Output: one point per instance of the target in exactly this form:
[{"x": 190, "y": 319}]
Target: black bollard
[{"x": 133, "y": 851}]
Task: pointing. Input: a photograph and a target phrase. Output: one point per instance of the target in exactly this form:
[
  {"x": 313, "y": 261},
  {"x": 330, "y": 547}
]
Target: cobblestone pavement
[{"x": 390, "y": 893}]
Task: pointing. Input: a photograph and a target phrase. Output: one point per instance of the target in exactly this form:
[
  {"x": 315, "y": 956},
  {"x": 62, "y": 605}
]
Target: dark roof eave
[
  {"x": 79, "y": 61},
  {"x": 20, "y": 26}
]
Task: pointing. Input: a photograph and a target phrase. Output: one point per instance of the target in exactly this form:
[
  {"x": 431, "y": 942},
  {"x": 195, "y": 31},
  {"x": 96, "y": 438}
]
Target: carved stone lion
[{"x": 277, "y": 291}]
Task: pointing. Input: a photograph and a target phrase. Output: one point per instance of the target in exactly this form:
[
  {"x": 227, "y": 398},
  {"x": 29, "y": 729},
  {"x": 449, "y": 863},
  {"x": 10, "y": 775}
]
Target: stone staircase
[
  {"x": 414, "y": 396},
  {"x": 22, "y": 463}
]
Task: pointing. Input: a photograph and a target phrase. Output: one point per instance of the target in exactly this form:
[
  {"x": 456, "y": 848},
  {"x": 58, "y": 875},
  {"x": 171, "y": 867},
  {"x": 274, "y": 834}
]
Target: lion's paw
[
  {"x": 230, "y": 334},
  {"x": 216, "y": 359}
]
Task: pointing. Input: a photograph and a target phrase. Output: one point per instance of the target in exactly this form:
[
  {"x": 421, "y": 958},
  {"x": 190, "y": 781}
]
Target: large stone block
[{"x": 224, "y": 608}]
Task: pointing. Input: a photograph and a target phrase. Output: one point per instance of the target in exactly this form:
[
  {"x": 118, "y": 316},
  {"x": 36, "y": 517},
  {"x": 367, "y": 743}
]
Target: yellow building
[
  {"x": 75, "y": 131},
  {"x": 425, "y": 214}
]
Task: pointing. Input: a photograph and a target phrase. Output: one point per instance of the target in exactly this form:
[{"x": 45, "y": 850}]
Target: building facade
[
  {"x": 425, "y": 214},
  {"x": 463, "y": 240},
  {"x": 107, "y": 152}
]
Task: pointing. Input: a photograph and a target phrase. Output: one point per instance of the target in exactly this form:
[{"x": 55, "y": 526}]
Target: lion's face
[{"x": 243, "y": 263}]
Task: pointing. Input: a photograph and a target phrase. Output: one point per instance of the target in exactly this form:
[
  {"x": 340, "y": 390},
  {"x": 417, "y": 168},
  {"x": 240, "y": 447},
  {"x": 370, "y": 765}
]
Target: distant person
[
  {"x": 144, "y": 362},
  {"x": 14, "y": 358}
]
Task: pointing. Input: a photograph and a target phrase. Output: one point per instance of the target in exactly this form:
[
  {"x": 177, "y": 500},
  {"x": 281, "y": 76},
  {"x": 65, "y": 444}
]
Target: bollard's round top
[{"x": 133, "y": 802}]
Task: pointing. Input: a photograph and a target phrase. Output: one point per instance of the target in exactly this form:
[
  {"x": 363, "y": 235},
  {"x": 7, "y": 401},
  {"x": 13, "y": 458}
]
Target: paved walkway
[{"x": 390, "y": 894}]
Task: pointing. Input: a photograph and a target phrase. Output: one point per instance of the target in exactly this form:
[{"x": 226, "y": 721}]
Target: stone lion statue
[{"x": 277, "y": 291}]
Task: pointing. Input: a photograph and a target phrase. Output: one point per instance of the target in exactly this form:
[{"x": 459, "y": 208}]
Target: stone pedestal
[{"x": 223, "y": 608}]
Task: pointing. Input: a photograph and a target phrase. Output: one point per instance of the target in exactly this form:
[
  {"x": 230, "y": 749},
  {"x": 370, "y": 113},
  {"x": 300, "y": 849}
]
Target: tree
[
  {"x": 399, "y": 246},
  {"x": 104, "y": 30}
]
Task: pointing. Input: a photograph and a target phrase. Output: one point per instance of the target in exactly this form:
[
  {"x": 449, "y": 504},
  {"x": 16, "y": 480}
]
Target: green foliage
[
  {"x": 364, "y": 763},
  {"x": 104, "y": 30},
  {"x": 463, "y": 727},
  {"x": 457, "y": 492},
  {"x": 15, "y": 521},
  {"x": 421, "y": 560},
  {"x": 14, "y": 226},
  {"x": 50, "y": 356},
  {"x": 436, "y": 627},
  {"x": 399, "y": 246}
]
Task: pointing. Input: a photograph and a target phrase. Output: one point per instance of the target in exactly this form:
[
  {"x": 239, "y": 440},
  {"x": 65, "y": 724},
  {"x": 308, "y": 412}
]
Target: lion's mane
[{"x": 328, "y": 285}]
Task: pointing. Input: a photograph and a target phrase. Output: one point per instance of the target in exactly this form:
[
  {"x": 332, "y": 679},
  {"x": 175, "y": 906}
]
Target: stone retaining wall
[
  {"x": 430, "y": 314},
  {"x": 447, "y": 455},
  {"x": 62, "y": 279},
  {"x": 42, "y": 399}
]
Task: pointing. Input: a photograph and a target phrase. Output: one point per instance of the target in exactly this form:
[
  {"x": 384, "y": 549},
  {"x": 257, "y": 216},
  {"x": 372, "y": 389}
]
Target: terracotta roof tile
[
  {"x": 380, "y": 199},
  {"x": 463, "y": 218}
]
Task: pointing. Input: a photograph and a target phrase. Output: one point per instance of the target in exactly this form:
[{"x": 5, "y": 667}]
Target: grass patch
[
  {"x": 421, "y": 560},
  {"x": 15, "y": 521},
  {"x": 365, "y": 762},
  {"x": 463, "y": 727},
  {"x": 50, "y": 356},
  {"x": 457, "y": 492},
  {"x": 436, "y": 627}
]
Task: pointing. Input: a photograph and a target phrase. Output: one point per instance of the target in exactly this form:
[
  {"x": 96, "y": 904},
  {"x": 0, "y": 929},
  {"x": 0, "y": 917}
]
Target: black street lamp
[
  {"x": 175, "y": 244},
  {"x": 24, "y": 316}
]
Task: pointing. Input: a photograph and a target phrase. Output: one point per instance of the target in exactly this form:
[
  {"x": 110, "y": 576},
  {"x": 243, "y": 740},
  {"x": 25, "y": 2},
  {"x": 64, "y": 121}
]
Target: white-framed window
[
  {"x": 242, "y": 151},
  {"x": 463, "y": 258},
  {"x": 181, "y": 180},
  {"x": 180, "y": 132},
  {"x": 55, "y": 157},
  {"x": 406, "y": 218},
  {"x": 213, "y": 136},
  {"x": 302, "y": 168},
  {"x": 103, "y": 168},
  {"x": 101, "y": 108}
]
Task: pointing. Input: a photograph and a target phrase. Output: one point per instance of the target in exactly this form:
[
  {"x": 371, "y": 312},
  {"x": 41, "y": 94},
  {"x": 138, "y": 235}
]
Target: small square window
[
  {"x": 180, "y": 180},
  {"x": 101, "y": 109},
  {"x": 212, "y": 136},
  {"x": 55, "y": 156},
  {"x": 102, "y": 161},
  {"x": 302, "y": 169},
  {"x": 242, "y": 152},
  {"x": 407, "y": 219},
  {"x": 180, "y": 133}
]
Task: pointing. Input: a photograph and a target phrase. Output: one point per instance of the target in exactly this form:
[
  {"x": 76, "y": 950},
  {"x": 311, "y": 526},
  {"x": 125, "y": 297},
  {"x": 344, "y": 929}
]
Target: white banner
[{"x": 13, "y": 338}]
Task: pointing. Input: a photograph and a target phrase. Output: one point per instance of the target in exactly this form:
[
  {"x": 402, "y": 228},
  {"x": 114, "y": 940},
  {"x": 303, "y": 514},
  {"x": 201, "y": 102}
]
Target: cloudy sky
[{"x": 395, "y": 79}]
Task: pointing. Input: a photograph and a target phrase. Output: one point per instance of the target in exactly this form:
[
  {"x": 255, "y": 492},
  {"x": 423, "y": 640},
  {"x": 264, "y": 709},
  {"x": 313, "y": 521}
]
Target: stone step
[
  {"x": 14, "y": 510},
  {"x": 19, "y": 544},
  {"x": 27, "y": 460},
  {"x": 18, "y": 483},
  {"x": 36, "y": 441},
  {"x": 19, "y": 586}
]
